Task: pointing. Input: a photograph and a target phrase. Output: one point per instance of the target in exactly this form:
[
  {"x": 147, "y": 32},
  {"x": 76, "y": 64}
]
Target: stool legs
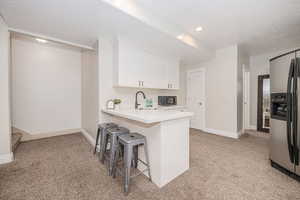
[
  {"x": 97, "y": 140},
  {"x": 103, "y": 146},
  {"x": 147, "y": 158},
  {"x": 128, "y": 153},
  {"x": 118, "y": 152},
  {"x": 113, "y": 149},
  {"x": 135, "y": 156}
]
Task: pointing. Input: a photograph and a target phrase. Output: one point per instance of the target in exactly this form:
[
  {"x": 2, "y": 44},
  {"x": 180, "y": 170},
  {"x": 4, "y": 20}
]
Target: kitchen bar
[{"x": 167, "y": 133}]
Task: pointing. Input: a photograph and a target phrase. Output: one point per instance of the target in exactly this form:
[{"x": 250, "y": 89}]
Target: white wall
[
  {"x": 221, "y": 90},
  {"x": 5, "y": 131},
  {"x": 90, "y": 105},
  {"x": 46, "y": 80},
  {"x": 259, "y": 65},
  {"x": 127, "y": 95}
]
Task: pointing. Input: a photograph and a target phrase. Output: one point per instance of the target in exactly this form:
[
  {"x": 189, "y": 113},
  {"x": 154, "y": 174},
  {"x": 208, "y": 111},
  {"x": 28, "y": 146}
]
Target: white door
[
  {"x": 246, "y": 100},
  {"x": 196, "y": 97}
]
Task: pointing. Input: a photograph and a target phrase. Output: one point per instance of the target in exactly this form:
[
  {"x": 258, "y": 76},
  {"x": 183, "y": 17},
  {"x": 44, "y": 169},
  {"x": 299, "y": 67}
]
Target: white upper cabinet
[
  {"x": 134, "y": 67},
  {"x": 173, "y": 76},
  {"x": 128, "y": 66}
]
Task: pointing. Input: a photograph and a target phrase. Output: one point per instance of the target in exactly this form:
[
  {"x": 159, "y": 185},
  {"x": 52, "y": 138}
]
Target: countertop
[
  {"x": 176, "y": 107},
  {"x": 149, "y": 116}
]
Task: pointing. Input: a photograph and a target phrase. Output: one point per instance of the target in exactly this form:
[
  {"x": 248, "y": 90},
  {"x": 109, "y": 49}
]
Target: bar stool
[
  {"x": 101, "y": 132},
  {"x": 113, "y": 134},
  {"x": 130, "y": 141}
]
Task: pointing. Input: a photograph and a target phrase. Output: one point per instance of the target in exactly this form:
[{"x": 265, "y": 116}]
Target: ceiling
[
  {"x": 83, "y": 21},
  {"x": 258, "y": 26}
]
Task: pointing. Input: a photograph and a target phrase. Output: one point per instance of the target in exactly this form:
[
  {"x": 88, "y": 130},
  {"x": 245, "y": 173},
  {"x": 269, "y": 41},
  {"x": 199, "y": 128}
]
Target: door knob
[{"x": 200, "y": 103}]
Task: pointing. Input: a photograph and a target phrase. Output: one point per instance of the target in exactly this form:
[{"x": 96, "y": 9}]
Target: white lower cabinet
[{"x": 134, "y": 67}]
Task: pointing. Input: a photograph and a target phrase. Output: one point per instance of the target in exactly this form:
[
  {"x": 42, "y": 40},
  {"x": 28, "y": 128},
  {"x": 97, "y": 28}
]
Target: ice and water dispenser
[{"x": 279, "y": 106}]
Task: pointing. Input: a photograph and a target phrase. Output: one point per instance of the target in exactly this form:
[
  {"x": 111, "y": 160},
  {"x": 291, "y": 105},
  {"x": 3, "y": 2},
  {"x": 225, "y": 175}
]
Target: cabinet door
[
  {"x": 139, "y": 68},
  {"x": 173, "y": 76},
  {"x": 130, "y": 69},
  {"x": 154, "y": 72}
]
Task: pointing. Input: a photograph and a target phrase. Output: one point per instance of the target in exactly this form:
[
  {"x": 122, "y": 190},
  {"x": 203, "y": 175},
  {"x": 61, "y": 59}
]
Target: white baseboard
[
  {"x": 6, "y": 158},
  {"x": 253, "y": 127},
  {"x": 222, "y": 133},
  {"x": 28, "y": 136},
  {"x": 89, "y": 138}
]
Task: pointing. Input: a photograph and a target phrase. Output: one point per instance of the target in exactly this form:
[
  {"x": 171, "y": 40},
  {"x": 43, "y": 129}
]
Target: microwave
[{"x": 167, "y": 100}]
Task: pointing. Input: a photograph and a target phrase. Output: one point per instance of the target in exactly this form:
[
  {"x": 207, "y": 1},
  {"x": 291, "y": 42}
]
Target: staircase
[{"x": 16, "y": 139}]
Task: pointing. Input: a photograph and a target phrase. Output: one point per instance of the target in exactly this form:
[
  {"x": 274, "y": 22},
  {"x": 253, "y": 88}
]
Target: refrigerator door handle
[
  {"x": 290, "y": 115},
  {"x": 295, "y": 110}
]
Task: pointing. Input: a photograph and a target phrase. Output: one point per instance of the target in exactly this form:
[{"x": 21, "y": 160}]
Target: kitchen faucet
[{"x": 136, "y": 101}]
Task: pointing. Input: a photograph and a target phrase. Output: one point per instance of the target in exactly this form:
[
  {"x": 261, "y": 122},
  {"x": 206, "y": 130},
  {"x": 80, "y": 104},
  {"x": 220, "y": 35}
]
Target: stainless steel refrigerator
[{"x": 285, "y": 115}]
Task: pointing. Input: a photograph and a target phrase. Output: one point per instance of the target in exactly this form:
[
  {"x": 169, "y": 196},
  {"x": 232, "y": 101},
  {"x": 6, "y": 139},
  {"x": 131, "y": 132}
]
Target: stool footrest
[
  {"x": 141, "y": 172},
  {"x": 143, "y": 162},
  {"x": 132, "y": 176}
]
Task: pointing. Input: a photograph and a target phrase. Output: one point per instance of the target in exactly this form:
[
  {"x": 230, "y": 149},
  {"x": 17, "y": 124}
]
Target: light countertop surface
[{"x": 149, "y": 116}]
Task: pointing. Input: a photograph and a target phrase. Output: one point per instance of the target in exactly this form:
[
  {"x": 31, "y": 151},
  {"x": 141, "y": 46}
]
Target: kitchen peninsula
[{"x": 167, "y": 133}]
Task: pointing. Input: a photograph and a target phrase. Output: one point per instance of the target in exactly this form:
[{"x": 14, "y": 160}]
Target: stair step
[{"x": 16, "y": 139}]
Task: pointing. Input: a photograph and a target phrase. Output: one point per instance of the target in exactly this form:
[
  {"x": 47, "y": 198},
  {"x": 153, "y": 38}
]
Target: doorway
[
  {"x": 196, "y": 97},
  {"x": 246, "y": 99},
  {"x": 263, "y": 103}
]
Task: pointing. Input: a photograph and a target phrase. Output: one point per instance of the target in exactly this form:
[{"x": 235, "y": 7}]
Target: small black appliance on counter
[{"x": 167, "y": 100}]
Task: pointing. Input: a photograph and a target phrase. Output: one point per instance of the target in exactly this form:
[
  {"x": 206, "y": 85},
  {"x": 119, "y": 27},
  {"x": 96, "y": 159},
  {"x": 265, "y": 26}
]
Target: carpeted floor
[{"x": 220, "y": 168}]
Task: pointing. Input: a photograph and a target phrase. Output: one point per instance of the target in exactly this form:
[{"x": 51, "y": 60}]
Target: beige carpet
[{"x": 220, "y": 168}]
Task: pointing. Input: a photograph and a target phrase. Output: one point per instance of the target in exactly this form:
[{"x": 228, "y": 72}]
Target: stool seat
[
  {"x": 117, "y": 131},
  {"x": 107, "y": 125},
  {"x": 132, "y": 138}
]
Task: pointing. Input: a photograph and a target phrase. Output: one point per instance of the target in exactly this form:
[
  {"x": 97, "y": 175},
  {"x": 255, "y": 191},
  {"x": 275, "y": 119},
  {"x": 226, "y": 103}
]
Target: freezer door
[
  {"x": 279, "y": 69},
  {"x": 297, "y": 138},
  {"x": 279, "y": 152}
]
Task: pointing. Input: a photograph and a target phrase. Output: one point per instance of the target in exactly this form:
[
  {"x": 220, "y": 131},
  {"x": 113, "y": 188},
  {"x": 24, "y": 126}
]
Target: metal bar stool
[
  {"x": 113, "y": 134},
  {"x": 101, "y": 132},
  {"x": 131, "y": 141}
]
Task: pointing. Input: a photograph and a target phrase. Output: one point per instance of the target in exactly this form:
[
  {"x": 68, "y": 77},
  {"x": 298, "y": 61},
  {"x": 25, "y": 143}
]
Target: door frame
[
  {"x": 246, "y": 98},
  {"x": 189, "y": 72},
  {"x": 260, "y": 102}
]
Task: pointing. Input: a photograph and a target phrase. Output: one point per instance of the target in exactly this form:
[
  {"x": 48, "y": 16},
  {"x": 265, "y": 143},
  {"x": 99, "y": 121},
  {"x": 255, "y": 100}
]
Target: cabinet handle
[{"x": 142, "y": 83}]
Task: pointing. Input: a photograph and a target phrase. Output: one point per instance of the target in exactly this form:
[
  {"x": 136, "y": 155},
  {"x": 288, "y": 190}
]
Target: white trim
[
  {"x": 89, "y": 138},
  {"x": 6, "y": 158},
  {"x": 50, "y": 38},
  {"x": 230, "y": 134},
  {"x": 246, "y": 98},
  {"x": 26, "y": 136},
  {"x": 201, "y": 69},
  {"x": 240, "y": 133}
]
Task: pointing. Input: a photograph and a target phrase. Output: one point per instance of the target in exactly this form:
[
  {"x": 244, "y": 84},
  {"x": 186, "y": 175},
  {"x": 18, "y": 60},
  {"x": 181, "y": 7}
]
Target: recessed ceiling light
[
  {"x": 199, "y": 28},
  {"x": 41, "y": 40},
  {"x": 180, "y": 37}
]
